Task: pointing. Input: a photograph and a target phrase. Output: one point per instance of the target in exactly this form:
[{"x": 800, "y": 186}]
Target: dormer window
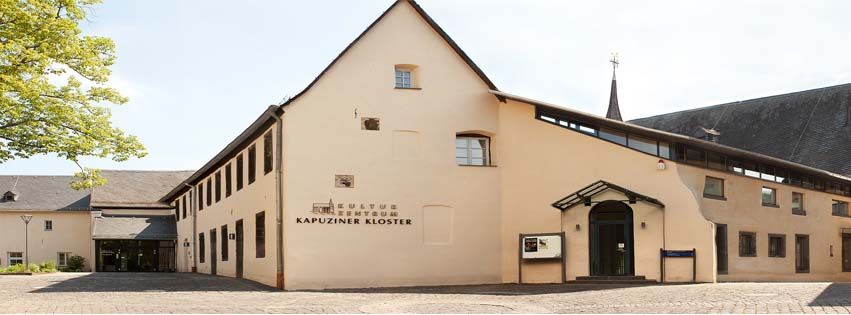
[
  {"x": 406, "y": 77},
  {"x": 10, "y": 196}
]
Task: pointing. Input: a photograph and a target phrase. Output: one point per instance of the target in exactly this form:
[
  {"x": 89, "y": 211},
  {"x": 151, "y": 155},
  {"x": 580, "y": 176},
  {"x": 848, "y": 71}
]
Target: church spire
[{"x": 614, "y": 111}]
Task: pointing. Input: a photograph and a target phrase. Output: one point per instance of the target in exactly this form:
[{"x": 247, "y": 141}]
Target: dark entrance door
[
  {"x": 611, "y": 248},
  {"x": 239, "y": 248},
  {"x": 213, "y": 251},
  {"x": 134, "y": 255},
  {"x": 846, "y": 252}
]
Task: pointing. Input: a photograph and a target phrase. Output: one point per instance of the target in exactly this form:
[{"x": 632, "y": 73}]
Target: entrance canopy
[
  {"x": 585, "y": 195},
  {"x": 135, "y": 228}
]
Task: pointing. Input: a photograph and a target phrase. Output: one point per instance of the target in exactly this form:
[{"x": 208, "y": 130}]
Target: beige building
[{"x": 400, "y": 167}]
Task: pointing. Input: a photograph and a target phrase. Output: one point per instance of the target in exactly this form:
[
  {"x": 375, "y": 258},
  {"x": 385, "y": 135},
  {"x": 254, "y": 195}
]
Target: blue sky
[{"x": 198, "y": 72}]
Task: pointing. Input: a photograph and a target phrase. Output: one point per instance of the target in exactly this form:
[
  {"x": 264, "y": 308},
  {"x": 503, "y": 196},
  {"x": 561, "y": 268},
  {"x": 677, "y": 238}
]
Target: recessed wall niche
[{"x": 370, "y": 123}]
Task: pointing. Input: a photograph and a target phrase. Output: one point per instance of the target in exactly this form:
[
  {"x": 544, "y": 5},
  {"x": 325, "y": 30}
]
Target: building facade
[{"x": 401, "y": 167}]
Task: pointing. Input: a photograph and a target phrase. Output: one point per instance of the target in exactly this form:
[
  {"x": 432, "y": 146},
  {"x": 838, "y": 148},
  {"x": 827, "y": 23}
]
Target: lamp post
[{"x": 26, "y": 218}]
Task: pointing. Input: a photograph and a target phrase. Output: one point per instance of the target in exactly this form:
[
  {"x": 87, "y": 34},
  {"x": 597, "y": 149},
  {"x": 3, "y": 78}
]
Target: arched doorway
[{"x": 611, "y": 239}]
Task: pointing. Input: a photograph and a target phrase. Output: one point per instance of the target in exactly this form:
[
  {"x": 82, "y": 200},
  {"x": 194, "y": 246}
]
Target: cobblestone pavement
[{"x": 195, "y": 293}]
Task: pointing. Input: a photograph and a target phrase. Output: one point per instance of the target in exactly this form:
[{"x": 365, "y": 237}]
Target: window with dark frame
[
  {"x": 769, "y": 197},
  {"x": 802, "y": 253},
  {"x": 252, "y": 164},
  {"x": 209, "y": 191},
  {"x": 239, "y": 171},
  {"x": 776, "y": 245},
  {"x": 177, "y": 210},
  {"x": 260, "y": 234},
  {"x": 218, "y": 186},
  {"x": 227, "y": 180},
  {"x": 839, "y": 208},
  {"x": 48, "y": 225},
  {"x": 798, "y": 204},
  {"x": 268, "y": 155},
  {"x": 713, "y": 188},
  {"x": 202, "y": 253},
  {"x": 224, "y": 242},
  {"x": 184, "y": 206},
  {"x": 200, "y": 196},
  {"x": 747, "y": 244}
]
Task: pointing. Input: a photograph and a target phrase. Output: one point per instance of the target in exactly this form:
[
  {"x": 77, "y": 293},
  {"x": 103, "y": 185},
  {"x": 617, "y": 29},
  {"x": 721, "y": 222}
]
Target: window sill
[
  {"x": 842, "y": 215},
  {"x": 770, "y": 205},
  {"x": 776, "y": 256},
  {"x": 476, "y": 165},
  {"x": 799, "y": 212},
  {"x": 410, "y": 88},
  {"x": 715, "y": 197},
  {"x": 802, "y": 271}
]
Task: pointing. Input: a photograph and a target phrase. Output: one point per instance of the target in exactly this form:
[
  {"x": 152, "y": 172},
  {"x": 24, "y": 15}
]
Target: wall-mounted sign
[
  {"x": 541, "y": 247},
  {"x": 354, "y": 214},
  {"x": 344, "y": 181}
]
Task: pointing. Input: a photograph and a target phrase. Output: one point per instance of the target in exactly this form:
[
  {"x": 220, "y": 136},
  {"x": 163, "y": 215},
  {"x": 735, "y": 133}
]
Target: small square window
[
  {"x": 403, "y": 79},
  {"x": 472, "y": 150},
  {"x": 15, "y": 258},
  {"x": 48, "y": 225},
  {"x": 776, "y": 245},
  {"x": 769, "y": 197},
  {"x": 713, "y": 188}
]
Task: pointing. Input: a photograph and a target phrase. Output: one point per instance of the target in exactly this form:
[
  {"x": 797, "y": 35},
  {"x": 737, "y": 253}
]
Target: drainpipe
[
  {"x": 193, "y": 201},
  {"x": 279, "y": 202}
]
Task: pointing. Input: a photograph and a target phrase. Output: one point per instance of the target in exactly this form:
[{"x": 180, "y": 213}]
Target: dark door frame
[
  {"x": 845, "y": 237},
  {"x": 240, "y": 247},
  {"x": 213, "y": 252},
  {"x": 594, "y": 237}
]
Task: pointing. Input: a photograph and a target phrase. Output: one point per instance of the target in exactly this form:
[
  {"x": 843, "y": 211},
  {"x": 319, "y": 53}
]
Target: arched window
[{"x": 472, "y": 149}]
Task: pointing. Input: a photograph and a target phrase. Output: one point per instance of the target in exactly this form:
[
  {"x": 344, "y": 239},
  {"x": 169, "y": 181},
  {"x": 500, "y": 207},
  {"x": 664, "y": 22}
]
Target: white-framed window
[
  {"x": 403, "y": 79},
  {"x": 15, "y": 258},
  {"x": 48, "y": 225},
  {"x": 472, "y": 150},
  {"x": 62, "y": 259}
]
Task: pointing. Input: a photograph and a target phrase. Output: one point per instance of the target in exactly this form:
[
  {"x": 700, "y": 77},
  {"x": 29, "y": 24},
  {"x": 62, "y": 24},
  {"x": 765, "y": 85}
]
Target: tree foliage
[{"x": 53, "y": 84}]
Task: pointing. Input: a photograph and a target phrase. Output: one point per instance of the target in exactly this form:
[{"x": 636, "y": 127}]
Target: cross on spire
[{"x": 614, "y": 111}]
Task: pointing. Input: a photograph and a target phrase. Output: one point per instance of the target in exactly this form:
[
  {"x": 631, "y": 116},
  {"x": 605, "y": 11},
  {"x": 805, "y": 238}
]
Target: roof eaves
[
  {"x": 270, "y": 112},
  {"x": 675, "y": 137}
]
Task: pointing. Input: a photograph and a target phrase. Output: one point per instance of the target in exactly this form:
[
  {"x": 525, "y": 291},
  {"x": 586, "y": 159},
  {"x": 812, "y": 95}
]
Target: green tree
[{"x": 53, "y": 87}]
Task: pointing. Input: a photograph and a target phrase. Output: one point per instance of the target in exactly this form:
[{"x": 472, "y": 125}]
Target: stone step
[
  {"x": 619, "y": 282},
  {"x": 592, "y": 278}
]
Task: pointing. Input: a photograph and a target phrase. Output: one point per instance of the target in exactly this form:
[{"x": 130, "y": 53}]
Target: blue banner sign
[{"x": 678, "y": 253}]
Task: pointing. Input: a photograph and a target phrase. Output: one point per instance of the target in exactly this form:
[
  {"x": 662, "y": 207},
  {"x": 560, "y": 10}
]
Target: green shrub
[
  {"x": 76, "y": 263},
  {"x": 48, "y": 266}
]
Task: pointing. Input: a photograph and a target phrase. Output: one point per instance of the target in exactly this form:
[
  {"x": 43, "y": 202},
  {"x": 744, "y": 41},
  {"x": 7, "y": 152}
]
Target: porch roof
[{"x": 584, "y": 195}]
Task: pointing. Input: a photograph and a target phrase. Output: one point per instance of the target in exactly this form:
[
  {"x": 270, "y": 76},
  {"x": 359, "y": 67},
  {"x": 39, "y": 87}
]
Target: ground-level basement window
[
  {"x": 747, "y": 244},
  {"x": 472, "y": 149},
  {"x": 776, "y": 245},
  {"x": 62, "y": 259},
  {"x": 16, "y": 258}
]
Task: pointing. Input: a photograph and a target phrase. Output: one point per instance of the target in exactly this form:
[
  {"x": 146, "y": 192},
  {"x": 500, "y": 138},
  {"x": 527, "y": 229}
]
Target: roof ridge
[{"x": 746, "y": 100}]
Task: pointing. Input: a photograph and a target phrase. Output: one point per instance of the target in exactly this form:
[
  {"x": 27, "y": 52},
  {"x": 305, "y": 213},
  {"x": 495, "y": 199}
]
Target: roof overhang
[
  {"x": 672, "y": 137},
  {"x": 586, "y": 194}
]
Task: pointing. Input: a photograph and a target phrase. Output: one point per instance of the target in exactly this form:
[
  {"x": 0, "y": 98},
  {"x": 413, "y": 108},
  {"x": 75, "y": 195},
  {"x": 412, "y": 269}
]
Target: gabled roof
[
  {"x": 811, "y": 127},
  {"x": 430, "y": 22},
  {"x": 43, "y": 193},
  {"x": 136, "y": 189},
  {"x": 584, "y": 195}
]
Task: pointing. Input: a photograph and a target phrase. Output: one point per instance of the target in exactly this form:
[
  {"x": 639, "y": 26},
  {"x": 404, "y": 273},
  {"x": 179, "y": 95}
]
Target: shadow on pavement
[
  {"x": 151, "y": 282},
  {"x": 838, "y": 294},
  {"x": 493, "y": 289}
]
